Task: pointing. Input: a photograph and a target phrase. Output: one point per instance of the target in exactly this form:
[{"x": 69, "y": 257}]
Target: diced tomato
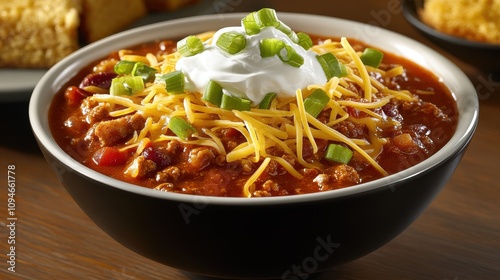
[
  {"x": 108, "y": 156},
  {"x": 75, "y": 95}
]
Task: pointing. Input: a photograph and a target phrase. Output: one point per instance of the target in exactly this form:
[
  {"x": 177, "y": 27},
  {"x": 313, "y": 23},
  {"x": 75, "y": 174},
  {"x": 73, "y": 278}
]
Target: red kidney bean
[{"x": 101, "y": 79}]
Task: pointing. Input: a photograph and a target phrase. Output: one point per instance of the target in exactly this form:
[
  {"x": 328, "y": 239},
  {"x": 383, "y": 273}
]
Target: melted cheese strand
[
  {"x": 246, "y": 188},
  {"x": 360, "y": 66}
]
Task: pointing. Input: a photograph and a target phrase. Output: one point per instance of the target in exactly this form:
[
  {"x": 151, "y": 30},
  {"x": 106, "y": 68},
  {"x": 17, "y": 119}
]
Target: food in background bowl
[
  {"x": 244, "y": 112},
  {"x": 473, "y": 20},
  {"x": 234, "y": 237}
]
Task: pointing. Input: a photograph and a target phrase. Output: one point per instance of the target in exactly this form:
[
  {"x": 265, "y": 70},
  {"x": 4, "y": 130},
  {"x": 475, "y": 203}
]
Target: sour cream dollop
[{"x": 248, "y": 75}]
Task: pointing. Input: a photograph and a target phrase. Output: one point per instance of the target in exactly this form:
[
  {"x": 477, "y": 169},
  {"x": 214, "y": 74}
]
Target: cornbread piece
[
  {"x": 102, "y": 18},
  {"x": 477, "y": 20},
  {"x": 37, "y": 33},
  {"x": 167, "y": 5}
]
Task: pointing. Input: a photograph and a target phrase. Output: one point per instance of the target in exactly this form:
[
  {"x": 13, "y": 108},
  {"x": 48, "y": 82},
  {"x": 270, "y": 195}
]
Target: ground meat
[
  {"x": 200, "y": 158},
  {"x": 172, "y": 147},
  {"x": 268, "y": 188},
  {"x": 247, "y": 166},
  {"x": 93, "y": 111},
  {"x": 351, "y": 129},
  {"x": 425, "y": 112},
  {"x": 336, "y": 177},
  {"x": 169, "y": 174},
  {"x": 140, "y": 167},
  {"x": 290, "y": 159},
  {"x": 274, "y": 168},
  {"x": 115, "y": 131}
]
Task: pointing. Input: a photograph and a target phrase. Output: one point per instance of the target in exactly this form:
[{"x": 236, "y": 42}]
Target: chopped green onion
[
  {"x": 372, "y": 57},
  {"x": 288, "y": 55},
  {"x": 190, "y": 46},
  {"x": 338, "y": 153},
  {"x": 250, "y": 25},
  {"x": 270, "y": 46},
  {"x": 316, "y": 102},
  {"x": 124, "y": 67},
  {"x": 229, "y": 102},
  {"x": 266, "y": 17},
  {"x": 126, "y": 85},
  {"x": 254, "y": 22},
  {"x": 213, "y": 93},
  {"x": 331, "y": 66},
  {"x": 304, "y": 40},
  {"x": 174, "y": 81},
  {"x": 268, "y": 99},
  {"x": 182, "y": 128},
  {"x": 145, "y": 72},
  {"x": 288, "y": 31},
  {"x": 231, "y": 42}
]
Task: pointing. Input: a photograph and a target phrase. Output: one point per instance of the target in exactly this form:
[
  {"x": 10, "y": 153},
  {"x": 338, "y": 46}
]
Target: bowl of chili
[{"x": 257, "y": 237}]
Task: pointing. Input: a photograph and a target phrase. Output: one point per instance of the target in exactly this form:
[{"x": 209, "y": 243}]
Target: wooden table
[{"x": 456, "y": 238}]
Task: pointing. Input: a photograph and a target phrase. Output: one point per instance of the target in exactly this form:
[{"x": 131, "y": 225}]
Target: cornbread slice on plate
[
  {"x": 101, "y": 18},
  {"x": 37, "y": 33}
]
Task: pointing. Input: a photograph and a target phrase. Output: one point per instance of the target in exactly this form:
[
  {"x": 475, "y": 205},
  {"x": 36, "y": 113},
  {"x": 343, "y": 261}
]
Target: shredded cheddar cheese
[{"x": 285, "y": 125}]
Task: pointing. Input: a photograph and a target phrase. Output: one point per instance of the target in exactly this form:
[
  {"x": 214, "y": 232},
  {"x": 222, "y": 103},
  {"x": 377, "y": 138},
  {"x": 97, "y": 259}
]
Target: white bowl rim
[{"x": 451, "y": 75}]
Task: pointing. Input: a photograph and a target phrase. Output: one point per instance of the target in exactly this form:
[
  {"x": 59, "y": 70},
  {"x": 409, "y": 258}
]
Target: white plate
[{"x": 17, "y": 84}]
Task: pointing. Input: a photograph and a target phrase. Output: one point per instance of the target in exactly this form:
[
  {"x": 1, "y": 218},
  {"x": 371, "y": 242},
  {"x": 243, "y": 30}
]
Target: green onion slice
[
  {"x": 331, "y": 66},
  {"x": 268, "y": 99},
  {"x": 372, "y": 57},
  {"x": 189, "y": 46},
  {"x": 174, "y": 81},
  {"x": 267, "y": 17},
  {"x": 231, "y": 42},
  {"x": 288, "y": 31},
  {"x": 316, "y": 102},
  {"x": 304, "y": 40},
  {"x": 338, "y": 153},
  {"x": 124, "y": 67},
  {"x": 181, "y": 127},
  {"x": 145, "y": 72},
  {"x": 126, "y": 85},
  {"x": 213, "y": 93},
  {"x": 229, "y": 102},
  {"x": 288, "y": 55},
  {"x": 270, "y": 46},
  {"x": 250, "y": 25}
]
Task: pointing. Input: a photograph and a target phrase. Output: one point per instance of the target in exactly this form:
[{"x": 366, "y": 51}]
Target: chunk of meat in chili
[
  {"x": 94, "y": 111},
  {"x": 199, "y": 158},
  {"x": 115, "y": 131},
  {"x": 336, "y": 177},
  {"x": 140, "y": 167}
]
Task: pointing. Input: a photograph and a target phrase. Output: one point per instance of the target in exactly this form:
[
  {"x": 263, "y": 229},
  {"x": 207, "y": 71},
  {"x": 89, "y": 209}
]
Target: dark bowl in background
[
  {"x": 484, "y": 56},
  {"x": 258, "y": 237}
]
